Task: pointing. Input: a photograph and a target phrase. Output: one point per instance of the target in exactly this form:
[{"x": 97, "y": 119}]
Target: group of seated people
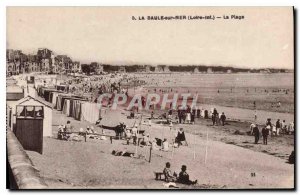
[
  {"x": 66, "y": 132},
  {"x": 183, "y": 176},
  {"x": 156, "y": 143}
]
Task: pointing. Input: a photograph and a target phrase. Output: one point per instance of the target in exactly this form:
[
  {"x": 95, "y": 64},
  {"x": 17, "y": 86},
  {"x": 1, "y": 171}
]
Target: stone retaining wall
[{"x": 22, "y": 174}]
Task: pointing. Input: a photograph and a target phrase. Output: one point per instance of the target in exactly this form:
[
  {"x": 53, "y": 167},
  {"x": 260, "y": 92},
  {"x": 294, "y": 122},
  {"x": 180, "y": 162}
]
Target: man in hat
[
  {"x": 256, "y": 133},
  {"x": 214, "y": 114},
  {"x": 184, "y": 177},
  {"x": 179, "y": 115},
  {"x": 223, "y": 118},
  {"x": 265, "y": 133}
]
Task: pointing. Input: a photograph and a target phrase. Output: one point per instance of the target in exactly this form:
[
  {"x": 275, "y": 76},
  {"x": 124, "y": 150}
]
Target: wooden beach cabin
[{"x": 33, "y": 101}]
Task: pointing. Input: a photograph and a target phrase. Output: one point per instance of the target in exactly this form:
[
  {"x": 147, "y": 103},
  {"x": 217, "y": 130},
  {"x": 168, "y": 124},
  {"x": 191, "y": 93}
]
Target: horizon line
[{"x": 149, "y": 64}]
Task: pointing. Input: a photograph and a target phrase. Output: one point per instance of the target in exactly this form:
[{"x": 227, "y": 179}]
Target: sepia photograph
[{"x": 168, "y": 98}]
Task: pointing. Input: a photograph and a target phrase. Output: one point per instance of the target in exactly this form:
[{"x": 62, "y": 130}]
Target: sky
[{"x": 263, "y": 39}]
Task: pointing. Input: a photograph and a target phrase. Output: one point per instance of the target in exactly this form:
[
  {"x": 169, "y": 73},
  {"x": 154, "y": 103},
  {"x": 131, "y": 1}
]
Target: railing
[{"x": 22, "y": 174}]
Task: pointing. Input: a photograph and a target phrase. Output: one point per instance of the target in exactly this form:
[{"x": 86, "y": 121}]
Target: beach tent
[
  {"x": 90, "y": 112},
  {"x": 34, "y": 101}
]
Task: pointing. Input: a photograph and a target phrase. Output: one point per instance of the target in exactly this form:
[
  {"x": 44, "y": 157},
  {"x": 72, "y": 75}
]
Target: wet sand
[{"x": 229, "y": 90}]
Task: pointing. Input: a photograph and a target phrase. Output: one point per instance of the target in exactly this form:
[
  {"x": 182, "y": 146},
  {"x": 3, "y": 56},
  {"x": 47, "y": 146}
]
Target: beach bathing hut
[
  {"x": 31, "y": 103},
  {"x": 14, "y": 93}
]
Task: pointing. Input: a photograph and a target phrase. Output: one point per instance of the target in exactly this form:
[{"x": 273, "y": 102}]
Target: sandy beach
[{"x": 231, "y": 159}]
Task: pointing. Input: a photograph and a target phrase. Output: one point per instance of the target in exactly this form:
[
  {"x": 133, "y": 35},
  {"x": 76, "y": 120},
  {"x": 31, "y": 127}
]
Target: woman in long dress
[{"x": 188, "y": 117}]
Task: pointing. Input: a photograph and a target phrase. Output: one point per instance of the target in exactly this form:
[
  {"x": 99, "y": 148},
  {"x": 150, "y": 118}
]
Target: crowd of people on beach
[
  {"x": 68, "y": 133},
  {"x": 277, "y": 129},
  {"x": 188, "y": 115},
  {"x": 184, "y": 115},
  {"x": 93, "y": 86},
  {"x": 131, "y": 135}
]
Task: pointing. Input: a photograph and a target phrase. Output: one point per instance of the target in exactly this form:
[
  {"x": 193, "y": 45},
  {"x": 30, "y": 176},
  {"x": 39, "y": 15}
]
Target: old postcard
[{"x": 150, "y": 98}]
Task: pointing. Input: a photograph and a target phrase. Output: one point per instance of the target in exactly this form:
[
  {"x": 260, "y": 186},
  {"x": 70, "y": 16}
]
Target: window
[
  {"x": 30, "y": 112},
  {"x": 21, "y": 112},
  {"x": 39, "y": 112}
]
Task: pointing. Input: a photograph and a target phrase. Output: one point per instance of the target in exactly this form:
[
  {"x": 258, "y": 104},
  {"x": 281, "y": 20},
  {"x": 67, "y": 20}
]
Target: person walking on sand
[
  {"x": 223, "y": 118},
  {"x": 265, "y": 133},
  {"x": 278, "y": 127},
  {"x": 134, "y": 134},
  {"x": 217, "y": 119},
  {"x": 193, "y": 115},
  {"x": 127, "y": 136},
  {"x": 179, "y": 115},
  {"x": 256, "y": 134},
  {"x": 214, "y": 115}
]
